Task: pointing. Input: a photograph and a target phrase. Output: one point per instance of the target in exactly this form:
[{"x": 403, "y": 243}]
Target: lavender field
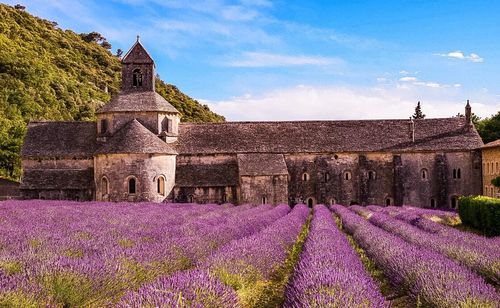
[{"x": 70, "y": 254}]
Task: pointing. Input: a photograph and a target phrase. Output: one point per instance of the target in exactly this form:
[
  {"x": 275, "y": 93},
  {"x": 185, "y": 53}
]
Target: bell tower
[{"x": 138, "y": 70}]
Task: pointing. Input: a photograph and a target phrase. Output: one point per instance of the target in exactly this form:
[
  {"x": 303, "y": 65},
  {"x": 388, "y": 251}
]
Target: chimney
[
  {"x": 468, "y": 114},
  {"x": 412, "y": 129}
]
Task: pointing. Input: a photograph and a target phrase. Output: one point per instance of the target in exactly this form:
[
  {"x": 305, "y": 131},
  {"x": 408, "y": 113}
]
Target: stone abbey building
[{"x": 138, "y": 150}]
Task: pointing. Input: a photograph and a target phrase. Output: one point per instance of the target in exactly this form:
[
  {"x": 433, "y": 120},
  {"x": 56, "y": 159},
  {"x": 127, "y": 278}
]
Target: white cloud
[
  {"x": 409, "y": 78},
  {"x": 336, "y": 103},
  {"x": 472, "y": 57},
  {"x": 264, "y": 59}
]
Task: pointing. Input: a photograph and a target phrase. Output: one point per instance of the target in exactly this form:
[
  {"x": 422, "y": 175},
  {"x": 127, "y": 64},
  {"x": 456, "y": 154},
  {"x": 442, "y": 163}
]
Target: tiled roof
[
  {"x": 138, "y": 54},
  {"x": 327, "y": 136},
  {"x": 138, "y": 101},
  {"x": 261, "y": 164},
  {"x": 58, "y": 179},
  {"x": 60, "y": 139},
  {"x": 206, "y": 175},
  {"x": 133, "y": 137},
  {"x": 492, "y": 144}
]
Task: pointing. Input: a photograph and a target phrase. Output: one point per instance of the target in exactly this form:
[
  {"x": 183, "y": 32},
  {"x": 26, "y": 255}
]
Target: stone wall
[
  {"x": 144, "y": 168},
  {"x": 268, "y": 189},
  {"x": 491, "y": 169}
]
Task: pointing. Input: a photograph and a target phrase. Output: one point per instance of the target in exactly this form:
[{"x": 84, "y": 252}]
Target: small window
[
  {"x": 327, "y": 177},
  {"x": 131, "y": 186},
  {"x": 333, "y": 201},
  {"x": 433, "y": 203},
  {"x": 371, "y": 175},
  {"x": 388, "y": 201},
  {"x": 347, "y": 175},
  {"x": 190, "y": 198},
  {"x": 104, "y": 126},
  {"x": 264, "y": 200},
  {"x": 104, "y": 186},
  {"x": 310, "y": 202},
  {"x": 305, "y": 177},
  {"x": 424, "y": 174},
  {"x": 454, "y": 173},
  {"x": 137, "y": 78},
  {"x": 160, "y": 182},
  {"x": 459, "y": 175},
  {"x": 454, "y": 202},
  {"x": 224, "y": 198}
]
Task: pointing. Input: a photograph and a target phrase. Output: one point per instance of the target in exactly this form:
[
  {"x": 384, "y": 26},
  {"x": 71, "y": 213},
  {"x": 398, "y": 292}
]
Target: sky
[{"x": 259, "y": 60}]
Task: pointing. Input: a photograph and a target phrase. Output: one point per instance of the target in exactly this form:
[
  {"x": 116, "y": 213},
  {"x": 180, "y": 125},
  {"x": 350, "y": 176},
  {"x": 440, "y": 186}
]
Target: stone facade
[
  {"x": 138, "y": 150},
  {"x": 491, "y": 168}
]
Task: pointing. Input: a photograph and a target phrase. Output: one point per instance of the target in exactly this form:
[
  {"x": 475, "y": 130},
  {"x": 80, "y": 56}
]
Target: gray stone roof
[
  {"x": 133, "y": 137},
  {"x": 138, "y": 101},
  {"x": 138, "y": 54},
  {"x": 261, "y": 164},
  {"x": 206, "y": 175},
  {"x": 327, "y": 136},
  {"x": 59, "y": 139},
  {"x": 492, "y": 144},
  {"x": 58, "y": 179}
]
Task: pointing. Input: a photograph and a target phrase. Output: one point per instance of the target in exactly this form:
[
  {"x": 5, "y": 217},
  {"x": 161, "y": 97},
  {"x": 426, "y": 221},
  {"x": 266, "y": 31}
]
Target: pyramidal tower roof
[
  {"x": 138, "y": 54},
  {"x": 134, "y": 138}
]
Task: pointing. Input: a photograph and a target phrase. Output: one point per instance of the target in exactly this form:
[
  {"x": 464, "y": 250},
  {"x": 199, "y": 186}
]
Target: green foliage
[
  {"x": 480, "y": 212},
  {"x": 17, "y": 299},
  {"x": 50, "y": 74},
  {"x": 496, "y": 181},
  {"x": 191, "y": 110},
  {"x": 489, "y": 128},
  {"x": 418, "y": 112}
]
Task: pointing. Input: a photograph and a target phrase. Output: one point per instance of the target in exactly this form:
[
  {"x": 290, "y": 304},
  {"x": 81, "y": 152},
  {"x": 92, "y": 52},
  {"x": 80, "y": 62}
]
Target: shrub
[{"x": 480, "y": 212}]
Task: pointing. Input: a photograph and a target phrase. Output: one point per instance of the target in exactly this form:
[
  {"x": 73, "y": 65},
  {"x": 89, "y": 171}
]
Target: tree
[
  {"x": 106, "y": 45},
  {"x": 489, "y": 128},
  {"x": 19, "y": 7},
  {"x": 496, "y": 182},
  {"x": 95, "y": 37},
  {"x": 119, "y": 53},
  {"x": 418, "y": 112}
]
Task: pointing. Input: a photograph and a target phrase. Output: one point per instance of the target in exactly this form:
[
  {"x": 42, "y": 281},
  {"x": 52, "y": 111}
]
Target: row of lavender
[
  {"x": 426, "y": 270},
  {"x": 240, "y": 273},
  {"x": 72, "y": 254},
  {"x": 479, "y": 253}
]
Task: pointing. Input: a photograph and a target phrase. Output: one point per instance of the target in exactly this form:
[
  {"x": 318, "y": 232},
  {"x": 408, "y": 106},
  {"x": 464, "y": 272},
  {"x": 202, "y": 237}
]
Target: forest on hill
[{"x": 47, "y": 73}]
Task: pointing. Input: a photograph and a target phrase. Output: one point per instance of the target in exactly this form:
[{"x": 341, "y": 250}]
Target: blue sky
[{"x": 279, "y": 60}]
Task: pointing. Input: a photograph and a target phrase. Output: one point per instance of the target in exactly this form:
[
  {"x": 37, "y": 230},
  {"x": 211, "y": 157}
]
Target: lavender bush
[
  {"x": 74, "y": 254},
  {"x": 429, "y": 277},
  {"x": 248, "y": 264},
  {"x": 330, "y": 273}
]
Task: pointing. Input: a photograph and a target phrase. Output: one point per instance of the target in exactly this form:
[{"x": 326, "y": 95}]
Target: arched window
[
  {"x": 333, "y": 201},
  {"x": 137, "y": 78},
  {"x": 327, "y": 177},
  {"x": 424, "y": 174},
  {"x": 454, "y": 173},
  {"x": 131, "y": 186},
  {"x": 224, "y": 198},
  {"x": 166, "y": 125},
  {"x": 104, "y": 186},
  {"x": 160, "y": 183},
  {"x": 372, "y": 175},
  {"x": 104, "y": 126},
  {"x": 190, "y": 198},
  {"x": 264, "y": 200},
  {"x": 310, "y": 202},
  {"x": 388, "y": 201},
  {"x": 459, "y": 175},
  {"x": 347, "y": 175},
  {"x": 305, "y": 176},
  {"x": 454, "y": 202},
  {"x": 433, "y": 203}
]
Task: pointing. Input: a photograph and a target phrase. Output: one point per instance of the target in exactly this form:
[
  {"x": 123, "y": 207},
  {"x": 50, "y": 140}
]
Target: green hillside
[{"x": 51, "y": 74}]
